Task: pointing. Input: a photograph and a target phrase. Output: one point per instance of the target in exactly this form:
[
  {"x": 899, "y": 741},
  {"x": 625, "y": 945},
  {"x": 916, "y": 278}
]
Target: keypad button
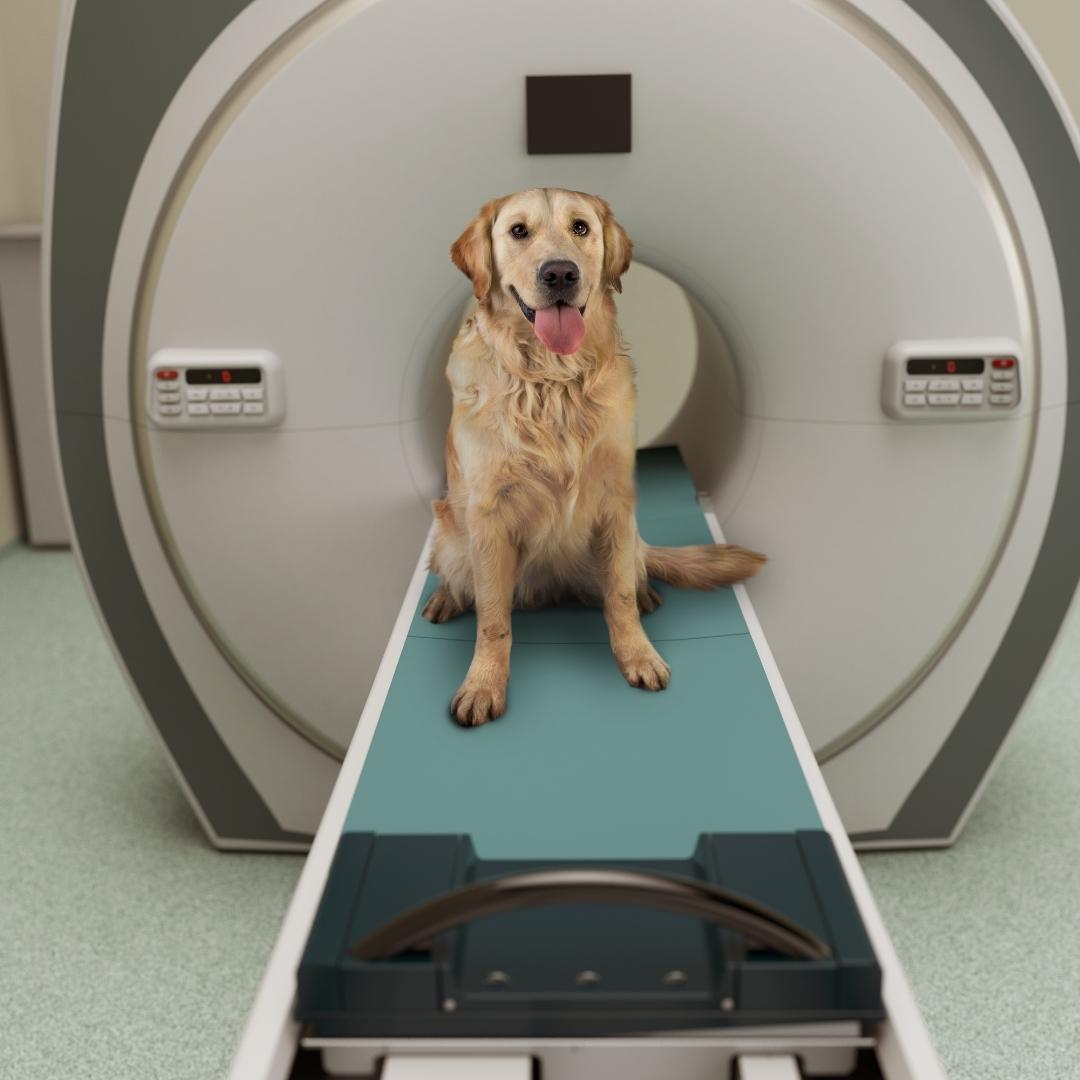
[
  {"x": 253, "y": 408},
  {"x": 169, "y": 399},
  {"x": 914, "y": 401},
  {"x": 225, "y": 393},
  {"x": 197, "y": 408},
  {"x": 971, "y": 399},
  {"x": 1003, "y": 376},
  {"x": 252, "y": 393},
  {"x": 1001, "y": 399},
  {"x": 167, "y": 385},
  {"x": 944, "y": 384},
  {"x": 169, "y": 410},
  {"x": 197, "y": 393},
  {"x": 970, "y": 385},
  {"x": 225, "y": 408},
  {"x": 944, "y": 399},
  {"x": 915, "y": 386}
]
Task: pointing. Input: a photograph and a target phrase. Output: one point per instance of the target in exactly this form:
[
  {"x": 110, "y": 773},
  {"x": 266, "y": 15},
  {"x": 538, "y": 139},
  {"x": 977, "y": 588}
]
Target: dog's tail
[{"x": 702, "y": 566}]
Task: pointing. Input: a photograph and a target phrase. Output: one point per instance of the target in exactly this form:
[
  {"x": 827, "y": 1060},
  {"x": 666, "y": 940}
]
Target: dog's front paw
[
  {"x": 476, "y": 703},
  {"x": 645, "y": 668}
]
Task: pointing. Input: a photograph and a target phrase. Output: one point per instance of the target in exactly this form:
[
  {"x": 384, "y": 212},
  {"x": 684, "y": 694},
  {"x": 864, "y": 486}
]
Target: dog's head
[{"x": 544, "y": 255}]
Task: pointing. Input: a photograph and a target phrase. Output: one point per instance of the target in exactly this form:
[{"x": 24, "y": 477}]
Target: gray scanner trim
[
  {"x": 127, "y": 58},
  {"x": 936, "y": 806}
]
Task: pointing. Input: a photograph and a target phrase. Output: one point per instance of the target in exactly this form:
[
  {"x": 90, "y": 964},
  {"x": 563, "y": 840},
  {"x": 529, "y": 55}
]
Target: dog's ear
[
  {"x": 471, "y": 251},
  {"x": 618, "y": 247}
]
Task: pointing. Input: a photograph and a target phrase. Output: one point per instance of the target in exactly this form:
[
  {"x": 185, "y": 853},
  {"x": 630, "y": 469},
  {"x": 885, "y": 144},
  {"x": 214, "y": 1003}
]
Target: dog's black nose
[{"x": 559, "y": 275}]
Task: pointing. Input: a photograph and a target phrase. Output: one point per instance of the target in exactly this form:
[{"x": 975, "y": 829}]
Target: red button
[
  {"x": 167, "y": 373},
  {"x": 1004, "y": 362}
]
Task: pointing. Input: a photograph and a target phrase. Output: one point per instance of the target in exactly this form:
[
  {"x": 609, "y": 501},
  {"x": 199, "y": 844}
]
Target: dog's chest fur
[
  {"x": 539, "y": 443},
  {"x": 549, "y": 413}
]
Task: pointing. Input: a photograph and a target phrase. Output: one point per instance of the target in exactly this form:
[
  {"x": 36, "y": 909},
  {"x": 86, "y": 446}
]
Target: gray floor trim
[
  {"x": 987, "y": 47},
  {"x": 126, "y": 60}
]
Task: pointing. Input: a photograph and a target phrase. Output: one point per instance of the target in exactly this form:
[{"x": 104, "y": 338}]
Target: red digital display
[
  {"x": 213, "y": 376},
  {"x": 946, "y": 365}
]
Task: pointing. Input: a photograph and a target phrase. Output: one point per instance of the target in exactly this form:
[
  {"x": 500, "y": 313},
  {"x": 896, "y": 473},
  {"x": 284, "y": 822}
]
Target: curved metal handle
[{"x": 414, "y": 929}]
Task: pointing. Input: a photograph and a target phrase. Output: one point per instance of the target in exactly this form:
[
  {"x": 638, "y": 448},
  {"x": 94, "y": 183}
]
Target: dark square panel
[{"x": 577, "y": 114}]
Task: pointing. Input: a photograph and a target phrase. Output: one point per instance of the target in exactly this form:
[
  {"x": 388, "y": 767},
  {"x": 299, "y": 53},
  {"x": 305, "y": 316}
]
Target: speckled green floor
[
  {"x": 129, "y": 948},
  {"x": 989, "y": 931}
]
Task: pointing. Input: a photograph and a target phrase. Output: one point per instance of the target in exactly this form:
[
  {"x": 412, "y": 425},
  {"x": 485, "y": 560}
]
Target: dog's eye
[
  {"x": 519, "y": 231},
  {"x": 580, "y": 227}
]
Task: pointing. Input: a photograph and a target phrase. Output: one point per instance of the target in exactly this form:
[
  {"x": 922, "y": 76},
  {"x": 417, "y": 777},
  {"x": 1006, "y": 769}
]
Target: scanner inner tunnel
[{"x": 332, "y": 531}]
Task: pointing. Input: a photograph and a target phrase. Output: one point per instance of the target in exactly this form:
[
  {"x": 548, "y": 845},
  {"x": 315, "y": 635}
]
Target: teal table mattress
[
  {"x": 447, "y": 910},
  {"x": 582, "y": 766}
]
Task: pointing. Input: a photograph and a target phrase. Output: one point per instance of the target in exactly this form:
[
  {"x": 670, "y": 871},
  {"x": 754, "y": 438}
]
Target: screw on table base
[{"x": 768, "y": 1067}]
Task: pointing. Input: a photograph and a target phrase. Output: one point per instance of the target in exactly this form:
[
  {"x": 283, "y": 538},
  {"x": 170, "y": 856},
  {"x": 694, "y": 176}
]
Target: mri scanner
[{"x": 854, "y": 313}]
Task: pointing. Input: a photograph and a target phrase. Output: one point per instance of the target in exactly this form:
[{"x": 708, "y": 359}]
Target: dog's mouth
[{"x": 561, "y": 326}]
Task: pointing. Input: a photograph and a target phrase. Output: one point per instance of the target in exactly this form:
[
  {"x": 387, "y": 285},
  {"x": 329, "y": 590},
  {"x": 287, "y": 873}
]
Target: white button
[
  {"x": 223, "y": 393},
  {"x": 252, "y": 393},
  {"x": 971, "y": 399},
  {"x": 227, "y": 409},
  {"x": 253, "y": 408},
  {"x": 1003, "y": 376},
  {"x": 913, "y": 401},
  {"x": 944, "y": 399},
  {"x": 197, "y": 393},
  {"x": 169, "y": 410},
  {"x": 914, "y": 385},
  {"x": 169, "y": 399},
  {"x": 944, "y": 384},
  {"x": 197, "y": 409},
  {"x": 971, "y": 384},
  {"x": 1001, "y": 399},
  {"x": 165, "y": 385}
]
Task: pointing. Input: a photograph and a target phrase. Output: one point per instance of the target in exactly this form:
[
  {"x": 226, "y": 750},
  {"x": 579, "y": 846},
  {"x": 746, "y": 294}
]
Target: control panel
[
  {"x": 215, "y": 388},
  {"x": 952, "y": 380}
]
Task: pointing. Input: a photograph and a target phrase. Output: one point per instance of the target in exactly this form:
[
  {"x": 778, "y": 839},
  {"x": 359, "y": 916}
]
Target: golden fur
[{"x": 540, "y": 452}]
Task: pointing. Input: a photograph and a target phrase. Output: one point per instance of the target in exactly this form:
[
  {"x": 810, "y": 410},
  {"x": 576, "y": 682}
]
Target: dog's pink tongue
[{"x": 560, "y": 327}]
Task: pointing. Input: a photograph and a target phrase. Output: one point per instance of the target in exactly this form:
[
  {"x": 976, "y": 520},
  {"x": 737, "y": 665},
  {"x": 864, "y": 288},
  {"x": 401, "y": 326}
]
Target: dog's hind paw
[
  {"x": 648, "y": 599},
  {"x": 441, "y": 606}
]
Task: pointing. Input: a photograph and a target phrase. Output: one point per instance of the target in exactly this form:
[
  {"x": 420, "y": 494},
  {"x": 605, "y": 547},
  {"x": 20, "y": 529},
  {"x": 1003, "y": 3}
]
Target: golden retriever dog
[{"x": 540, "y": 452}]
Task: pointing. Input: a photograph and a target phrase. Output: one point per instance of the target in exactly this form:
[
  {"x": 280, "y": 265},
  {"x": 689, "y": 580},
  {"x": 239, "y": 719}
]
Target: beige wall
[
  {"x": 27, "y": 36},
  {"x": 1054, "y": 27},
  {"x": 10, "y": 208},
  {"x": 11, "y": 524},
  {"x": 10, "y": 184}
]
